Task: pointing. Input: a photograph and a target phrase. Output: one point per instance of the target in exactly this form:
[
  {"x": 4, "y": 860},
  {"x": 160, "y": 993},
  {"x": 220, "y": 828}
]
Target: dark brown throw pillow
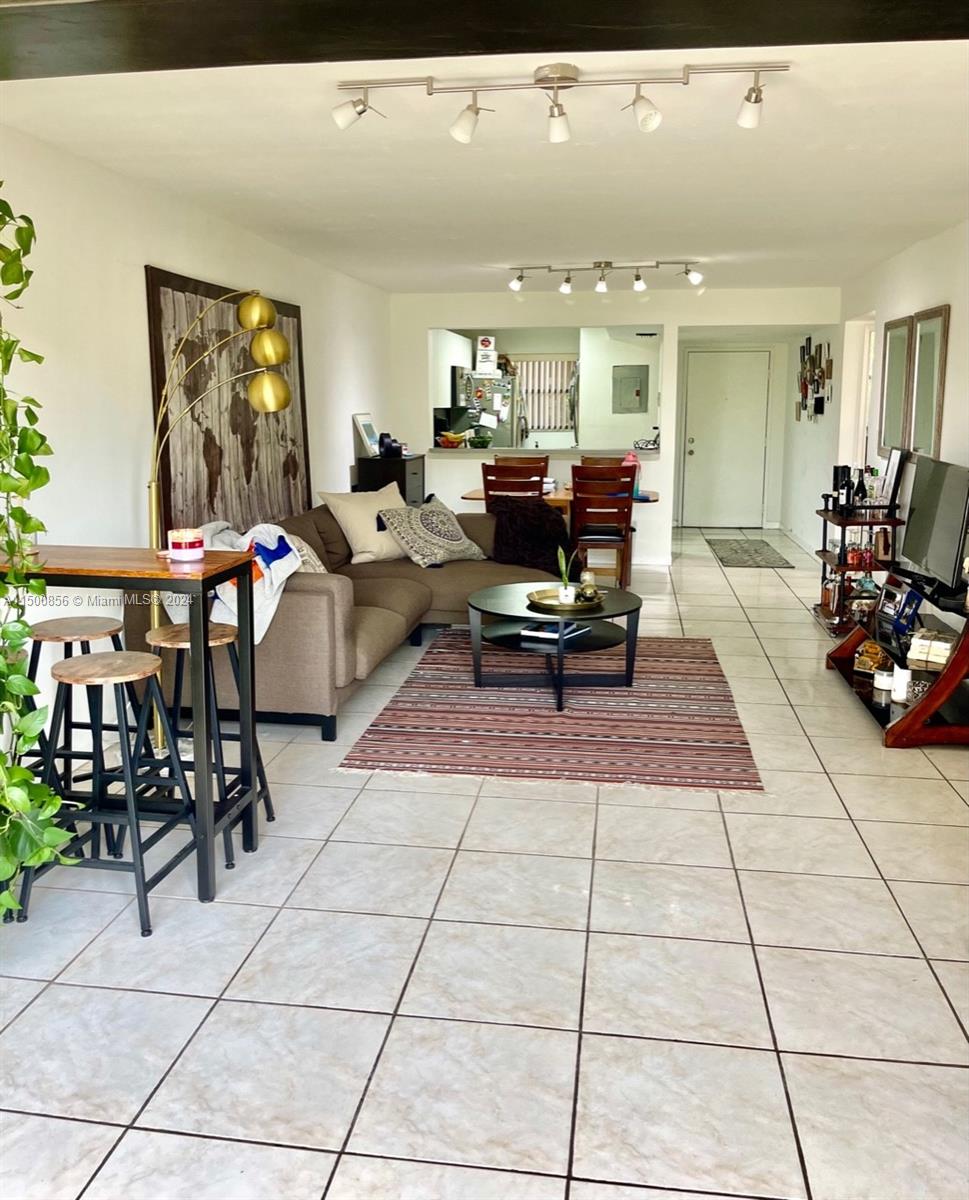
[{"x": 528, "y": 533}]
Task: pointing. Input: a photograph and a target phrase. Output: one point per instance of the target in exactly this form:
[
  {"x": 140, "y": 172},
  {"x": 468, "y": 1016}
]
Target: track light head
[
  {"x": 349, "y": 111},
  {"x": 465, "y": 123},
  {"x": 601, "y": 285},
  {"x": 558, "y": 124},
  {"x": 751, "y": 107},
  {"x": 693, "y": 275},
  {"x": 565, "y": 287},
  {"x": 516, "y": 283},
  {"x": 648, "y": 117},
  {"x": 639, "y": 283}
]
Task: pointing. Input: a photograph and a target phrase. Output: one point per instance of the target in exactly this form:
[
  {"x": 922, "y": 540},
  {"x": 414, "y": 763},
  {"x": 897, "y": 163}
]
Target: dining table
[{"x": 141, "y": 573}]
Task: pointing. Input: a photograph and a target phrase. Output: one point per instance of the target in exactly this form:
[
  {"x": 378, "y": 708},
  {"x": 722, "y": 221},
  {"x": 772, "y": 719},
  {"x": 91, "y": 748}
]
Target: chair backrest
[
  {"x": 592, "y": 460},
  {"x": 522, "y": 482},
  {"x": 538, "y": 462},
  {"x": 602, "y": 496}
]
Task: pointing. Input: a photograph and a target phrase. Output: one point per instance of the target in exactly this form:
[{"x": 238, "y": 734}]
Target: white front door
[{"x": 726, "y": 428}]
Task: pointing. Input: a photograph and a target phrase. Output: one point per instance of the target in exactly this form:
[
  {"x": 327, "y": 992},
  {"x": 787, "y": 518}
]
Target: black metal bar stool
[
  {"x": 154, "y": 783},
  {"x": 228, "y": 778},
  {"x": 70, "y": 632}
]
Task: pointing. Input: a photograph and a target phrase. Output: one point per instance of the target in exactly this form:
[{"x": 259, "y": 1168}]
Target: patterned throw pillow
[
  {"x": 309, "y": 560},
  {"x": 430, "y": 535}
]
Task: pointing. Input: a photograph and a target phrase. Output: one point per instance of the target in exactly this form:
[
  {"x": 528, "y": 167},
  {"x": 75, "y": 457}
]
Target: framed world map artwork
[{"x": 223, "y": 461}]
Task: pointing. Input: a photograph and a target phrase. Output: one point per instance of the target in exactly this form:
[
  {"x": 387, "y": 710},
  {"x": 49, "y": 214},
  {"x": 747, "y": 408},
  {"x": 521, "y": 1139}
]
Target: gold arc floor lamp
[{"x": 267, "y": 392}]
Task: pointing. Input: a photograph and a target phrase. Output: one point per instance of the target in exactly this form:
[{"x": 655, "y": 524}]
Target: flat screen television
[{"x": 935, "y": 528}]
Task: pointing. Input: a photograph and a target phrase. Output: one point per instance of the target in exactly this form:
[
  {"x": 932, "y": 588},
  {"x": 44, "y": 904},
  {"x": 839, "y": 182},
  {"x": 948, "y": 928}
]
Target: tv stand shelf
[{"x": 939, "y": 718}]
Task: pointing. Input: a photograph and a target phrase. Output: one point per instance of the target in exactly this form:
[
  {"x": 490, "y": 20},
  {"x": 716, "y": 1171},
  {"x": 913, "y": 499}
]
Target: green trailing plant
[{"x": 29, "y": 834}]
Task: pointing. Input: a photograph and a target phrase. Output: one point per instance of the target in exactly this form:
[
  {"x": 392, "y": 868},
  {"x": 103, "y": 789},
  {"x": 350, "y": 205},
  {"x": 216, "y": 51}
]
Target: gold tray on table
[{"x": 547, "y": 599}]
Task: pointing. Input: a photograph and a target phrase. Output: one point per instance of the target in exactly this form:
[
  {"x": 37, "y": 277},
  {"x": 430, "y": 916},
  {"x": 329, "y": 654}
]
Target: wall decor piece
[
  {"x": 229, "y": 459},
  {"x": 814, "y": 378}
]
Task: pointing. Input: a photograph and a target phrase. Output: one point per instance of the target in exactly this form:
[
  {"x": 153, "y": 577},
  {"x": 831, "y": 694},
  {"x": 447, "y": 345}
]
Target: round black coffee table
[{"x": 510, "y": 602}]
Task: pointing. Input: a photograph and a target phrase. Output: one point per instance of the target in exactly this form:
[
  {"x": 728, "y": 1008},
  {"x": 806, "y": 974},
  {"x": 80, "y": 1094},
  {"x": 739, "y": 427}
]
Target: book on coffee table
[{"x": 548, "y": 631}]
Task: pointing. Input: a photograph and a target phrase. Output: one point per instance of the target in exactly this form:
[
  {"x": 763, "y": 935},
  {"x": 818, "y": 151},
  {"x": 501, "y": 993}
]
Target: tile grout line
[
  {"x": 343, "y": 1149},
  {"x": 574, "y": 1119},
  {"x": 205, "y": 1017}
]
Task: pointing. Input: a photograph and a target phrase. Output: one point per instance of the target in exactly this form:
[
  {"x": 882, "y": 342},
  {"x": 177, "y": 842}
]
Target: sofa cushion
[
  {"x": 377, "y": 632},
  {"x": 358, "y": 516},
  {"x": 450, "y": 585},
  {"x": 408, "y": 598},
  {"x": 480, "y": 528},
  {"x": 303, "y": 526},
  {"x": 430, "y": 534}
]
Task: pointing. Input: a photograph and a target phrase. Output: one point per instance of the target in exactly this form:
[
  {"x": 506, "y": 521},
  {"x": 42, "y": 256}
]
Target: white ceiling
[{"x": 862, "y": 150}]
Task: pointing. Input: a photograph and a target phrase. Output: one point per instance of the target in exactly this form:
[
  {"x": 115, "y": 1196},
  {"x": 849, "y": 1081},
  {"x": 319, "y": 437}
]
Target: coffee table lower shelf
[{"x": 602, "y": 635}]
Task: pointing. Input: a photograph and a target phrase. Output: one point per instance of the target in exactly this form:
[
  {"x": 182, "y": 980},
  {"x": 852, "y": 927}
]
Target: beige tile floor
[{"x": 455, "y": 988}]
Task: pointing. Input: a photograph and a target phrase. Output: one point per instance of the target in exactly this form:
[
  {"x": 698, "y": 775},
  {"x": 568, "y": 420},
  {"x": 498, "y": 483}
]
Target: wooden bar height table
[{"x": 138, "y": 568}]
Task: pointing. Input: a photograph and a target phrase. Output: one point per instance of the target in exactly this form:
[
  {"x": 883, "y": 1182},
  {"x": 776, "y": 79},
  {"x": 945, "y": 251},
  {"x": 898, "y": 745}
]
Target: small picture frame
[
  {"x": 367, "y": 436},
  {"x": 890, "y": 601},
  {"x": 904, "y": 619},
  {"x": 888, "y": 492}
]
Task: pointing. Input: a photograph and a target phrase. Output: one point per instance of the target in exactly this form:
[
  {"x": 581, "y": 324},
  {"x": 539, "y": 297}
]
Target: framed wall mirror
[
  {"x": 896, "y": 385},
  {"x": 930, "y": 342}
]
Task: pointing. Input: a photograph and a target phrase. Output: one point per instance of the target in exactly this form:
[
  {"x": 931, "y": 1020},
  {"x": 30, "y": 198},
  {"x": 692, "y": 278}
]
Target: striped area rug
[{"x": 676, "y": 727}]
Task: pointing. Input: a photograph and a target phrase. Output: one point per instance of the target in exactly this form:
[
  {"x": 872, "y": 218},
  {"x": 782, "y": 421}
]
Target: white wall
[
  {"x": 412, "y": 315},
  {"x": 811, "y": 448},
  {"x": 599, "y": 427},
  {"x": 931, "y": 272},
  {"x": 85, "y": 311}
]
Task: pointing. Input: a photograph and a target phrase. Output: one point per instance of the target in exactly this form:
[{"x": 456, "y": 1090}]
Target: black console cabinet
[{"x": 407, "y": 473}]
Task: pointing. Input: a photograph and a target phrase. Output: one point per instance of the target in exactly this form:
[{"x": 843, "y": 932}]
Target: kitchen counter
[{"x": 572, "y": 452}]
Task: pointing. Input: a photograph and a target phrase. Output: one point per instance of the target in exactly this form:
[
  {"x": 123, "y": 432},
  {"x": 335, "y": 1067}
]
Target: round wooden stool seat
[
  {"x": 75, "y": 629},
  {"x": 111, "y": 666},
  {"x": 177, "y": 637}
]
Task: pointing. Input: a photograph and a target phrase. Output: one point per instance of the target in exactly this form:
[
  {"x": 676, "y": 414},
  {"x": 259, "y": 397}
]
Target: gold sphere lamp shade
[
  {"x": 268, "y": 392},
  {"x": 269, "y": 348},
  {"x": 256, "y": 312}
]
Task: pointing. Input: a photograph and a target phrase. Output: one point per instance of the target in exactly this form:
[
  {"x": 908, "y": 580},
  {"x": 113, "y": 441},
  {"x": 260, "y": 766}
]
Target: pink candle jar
[{"x": 185, "y": 545}]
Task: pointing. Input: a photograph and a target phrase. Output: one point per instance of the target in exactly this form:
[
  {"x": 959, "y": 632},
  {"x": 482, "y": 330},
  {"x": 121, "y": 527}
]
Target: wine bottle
[
  {"x": 861, "y": 492},
  {"x": 846, "y": 494}
]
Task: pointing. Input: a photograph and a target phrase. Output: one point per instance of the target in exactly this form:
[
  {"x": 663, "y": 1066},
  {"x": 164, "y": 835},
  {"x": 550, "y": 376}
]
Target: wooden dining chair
[
  {"x": 538, "y": 462},
  {"x": 520, "y": 482},
  {"x": 592, "y": 460},
  {"x": 602, "y": 511}
]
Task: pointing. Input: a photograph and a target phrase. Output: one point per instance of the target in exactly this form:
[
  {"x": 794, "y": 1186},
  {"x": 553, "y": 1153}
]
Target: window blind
[{"x": 546, "y": 388}]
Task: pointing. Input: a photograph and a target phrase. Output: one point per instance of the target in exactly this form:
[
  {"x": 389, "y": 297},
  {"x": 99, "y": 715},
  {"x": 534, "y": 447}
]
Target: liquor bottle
[
  {"x": 861, "y": 491},
  {"x": 846, "y": 495}
]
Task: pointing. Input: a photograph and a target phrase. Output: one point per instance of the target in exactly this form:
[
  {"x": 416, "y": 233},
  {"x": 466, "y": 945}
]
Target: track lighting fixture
[
  {"x": 466, "y": 122},
  {"x": 648, "y": 117},
  {"x": 558, "y": 121},
  {"x": 552, "y": 78},
  {"x": 349, "y": 111},
  {"x": 603, "y": 268},
  {"x": 751, "y": 106}
]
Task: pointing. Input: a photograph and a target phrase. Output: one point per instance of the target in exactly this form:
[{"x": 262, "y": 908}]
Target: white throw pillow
[{"x": 357, "y": 515}]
